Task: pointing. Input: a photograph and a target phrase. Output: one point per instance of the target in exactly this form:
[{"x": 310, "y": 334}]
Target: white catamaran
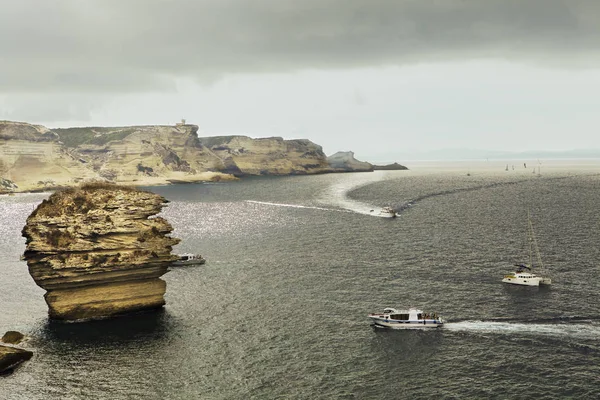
[{"x": 524, "y": 273}]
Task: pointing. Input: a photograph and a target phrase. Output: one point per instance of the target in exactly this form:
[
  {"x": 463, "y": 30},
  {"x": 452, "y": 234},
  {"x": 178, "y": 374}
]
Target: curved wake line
[
  {"x": 293, "y": 206},
  {"x": 411, "y": 202},
  {"x": 337, "y": 195},
  {"x": 576, "y": 330}
]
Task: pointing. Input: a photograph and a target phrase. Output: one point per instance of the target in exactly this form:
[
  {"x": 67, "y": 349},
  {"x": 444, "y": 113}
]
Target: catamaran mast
[{"x": 533, "y": 241}]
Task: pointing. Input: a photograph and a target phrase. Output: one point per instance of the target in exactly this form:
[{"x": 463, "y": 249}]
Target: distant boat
[
  {"x": 189, "y": 259},
  {"x": 524, "y": 273},
  {"x": 405, "y": 319},
  {"x": 387, "y": 212}
]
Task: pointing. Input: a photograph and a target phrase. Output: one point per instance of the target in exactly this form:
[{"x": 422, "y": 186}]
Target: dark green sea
[{"x": 294, "y": 266}]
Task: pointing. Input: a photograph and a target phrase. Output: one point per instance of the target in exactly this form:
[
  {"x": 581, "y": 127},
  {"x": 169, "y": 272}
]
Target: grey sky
[{"x": 356, "y": 75}]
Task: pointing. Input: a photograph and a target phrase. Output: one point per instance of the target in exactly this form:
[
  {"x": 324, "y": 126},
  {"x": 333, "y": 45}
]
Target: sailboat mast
[
  {"x": 533, "y": 241},
  {"x": 530, "y": 239}
]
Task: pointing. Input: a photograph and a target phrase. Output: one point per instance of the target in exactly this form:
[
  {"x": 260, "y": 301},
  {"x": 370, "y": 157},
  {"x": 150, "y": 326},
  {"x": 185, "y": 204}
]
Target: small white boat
[
  {"x": 406, "y": 319},
  {"x": 524, "y": 274},
  {"x": 387, "y": 212},
  {"x": 189, "y": 259}
]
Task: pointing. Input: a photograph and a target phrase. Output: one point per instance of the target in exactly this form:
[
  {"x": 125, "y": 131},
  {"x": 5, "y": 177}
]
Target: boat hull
[
  {"x": 185, "y": 263},
  {"x": 392, "y": 324},
  {"x": 522, "y": 281},
  {"x": 387, "y": 215}
]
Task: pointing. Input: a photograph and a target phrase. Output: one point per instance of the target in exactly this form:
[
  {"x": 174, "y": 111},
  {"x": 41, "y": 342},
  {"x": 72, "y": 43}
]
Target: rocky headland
[
  {"x": 99, "y": 250},
  {"x": 34, "y": 158},
  {"x": 268, "y": 156},
  {"x": 344, "y": 161},
  {"x": 389, "y": 167}
]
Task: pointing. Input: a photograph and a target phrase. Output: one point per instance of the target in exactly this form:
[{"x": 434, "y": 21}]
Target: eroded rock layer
[
  {"x": 33, "y": 158},
  {"x": 154, "y": 153},
  {"x": 99, "y": 250}
]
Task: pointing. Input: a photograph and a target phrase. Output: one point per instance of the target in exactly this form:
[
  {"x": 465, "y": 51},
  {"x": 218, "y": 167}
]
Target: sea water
[{"x": 295, "y": 264}]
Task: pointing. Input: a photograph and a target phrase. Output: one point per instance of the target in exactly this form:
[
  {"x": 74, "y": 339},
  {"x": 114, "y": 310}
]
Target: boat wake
[
  {"x": 294, "y": 206},
  {"x": 401, "y": 207},
  {"x": 337, "y": 195},
  {"x": 573, "y": 330}
]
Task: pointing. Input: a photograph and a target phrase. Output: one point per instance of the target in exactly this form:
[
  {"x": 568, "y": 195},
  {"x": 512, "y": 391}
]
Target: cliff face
[
  {"x": 31, "y": 157},
  {"x": 97, "y": 252},
  {"x": 242, "y": 155},
  {"x": 150, "y": 153},
  {"x": 344, "y": 161}
]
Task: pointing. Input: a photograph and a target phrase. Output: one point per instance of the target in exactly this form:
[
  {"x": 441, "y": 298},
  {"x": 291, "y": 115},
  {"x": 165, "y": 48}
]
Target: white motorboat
[
  {"x": 406, "y": 319},
  {"x": 524, "y": 273},
  {"x": 387, "y": 212},
  {"x": 189, "y": 259}
]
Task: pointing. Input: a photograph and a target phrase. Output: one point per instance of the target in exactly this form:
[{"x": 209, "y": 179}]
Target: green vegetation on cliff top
[{"x": 73, "y": 137}]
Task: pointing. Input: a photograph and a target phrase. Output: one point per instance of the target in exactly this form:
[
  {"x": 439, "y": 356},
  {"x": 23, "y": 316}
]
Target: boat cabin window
[{"x": 399, "y": 317}]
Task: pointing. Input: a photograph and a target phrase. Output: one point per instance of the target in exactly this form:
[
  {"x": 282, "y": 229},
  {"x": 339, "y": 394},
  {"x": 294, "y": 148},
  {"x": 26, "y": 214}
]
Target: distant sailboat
[{"x": 524, "y": 274}]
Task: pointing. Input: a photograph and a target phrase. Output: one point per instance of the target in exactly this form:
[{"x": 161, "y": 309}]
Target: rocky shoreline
[{"x": 35, "y": 158}]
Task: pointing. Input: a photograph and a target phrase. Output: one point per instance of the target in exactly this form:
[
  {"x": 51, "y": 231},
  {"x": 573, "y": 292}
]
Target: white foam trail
[
  {"x": 579, "y": 330},
  {"x": 337, "y": 194},
  {"x": 292, "y": 205}
]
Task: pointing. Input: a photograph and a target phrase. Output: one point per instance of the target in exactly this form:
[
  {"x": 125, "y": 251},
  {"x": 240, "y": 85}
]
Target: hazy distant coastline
[{"x": 476, "y": 154}]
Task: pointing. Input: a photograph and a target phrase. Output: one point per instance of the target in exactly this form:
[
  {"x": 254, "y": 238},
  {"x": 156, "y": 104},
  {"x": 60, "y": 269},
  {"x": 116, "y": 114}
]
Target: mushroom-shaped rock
[
  {"x": 99, "y": 251},
  {"x": 10, "y": 357}
]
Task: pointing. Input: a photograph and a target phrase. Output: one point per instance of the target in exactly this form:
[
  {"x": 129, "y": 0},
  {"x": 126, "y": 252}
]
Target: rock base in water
[
  {"x": 94, "y": 302},
  {"x": 11, "y": 357}
]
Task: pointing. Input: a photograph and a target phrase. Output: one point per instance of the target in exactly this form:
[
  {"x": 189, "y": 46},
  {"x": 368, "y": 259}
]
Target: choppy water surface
[{"x": 296, "y": 263}]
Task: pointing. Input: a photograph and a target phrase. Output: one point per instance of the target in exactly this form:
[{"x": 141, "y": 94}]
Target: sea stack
[{"x": 99, "y": 251}]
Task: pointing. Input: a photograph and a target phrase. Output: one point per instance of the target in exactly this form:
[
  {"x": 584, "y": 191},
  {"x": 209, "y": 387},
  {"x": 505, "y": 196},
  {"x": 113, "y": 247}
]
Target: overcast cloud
[{"x": 109, "y": 62}]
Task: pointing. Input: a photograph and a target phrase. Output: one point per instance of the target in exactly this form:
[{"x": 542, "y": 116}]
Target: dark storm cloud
[{"x": 138, "y": 45}]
